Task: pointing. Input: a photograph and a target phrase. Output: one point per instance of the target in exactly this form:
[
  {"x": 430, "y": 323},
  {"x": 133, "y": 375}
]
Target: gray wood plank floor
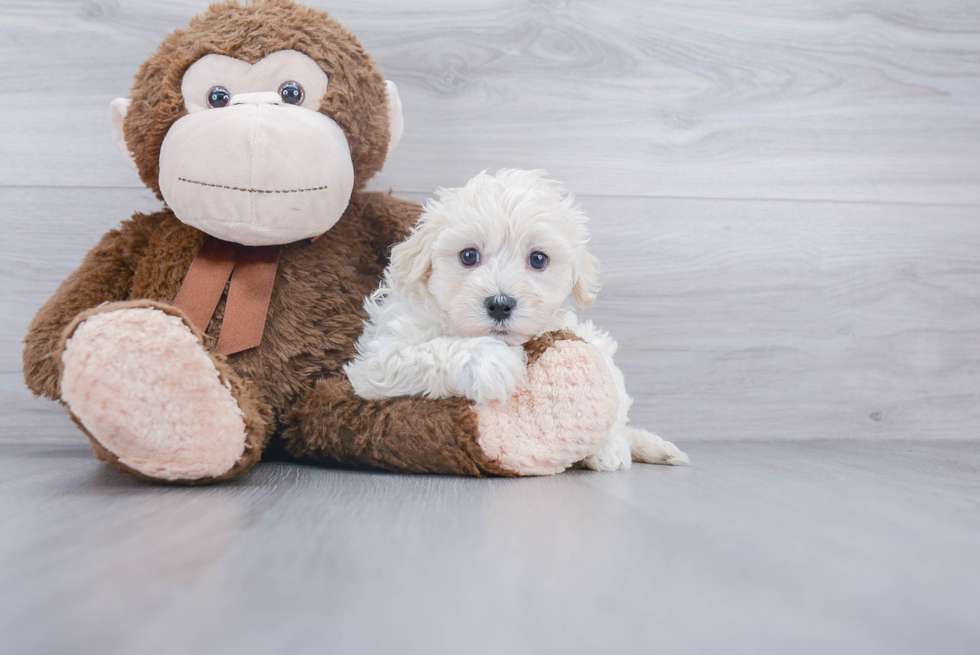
[{"x": 842, "y": 547}]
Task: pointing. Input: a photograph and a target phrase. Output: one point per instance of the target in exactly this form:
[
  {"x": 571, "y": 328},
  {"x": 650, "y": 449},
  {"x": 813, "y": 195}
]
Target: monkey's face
[
  {"x": 254, "y": 161},
  {"x": 257, "y": 122}
]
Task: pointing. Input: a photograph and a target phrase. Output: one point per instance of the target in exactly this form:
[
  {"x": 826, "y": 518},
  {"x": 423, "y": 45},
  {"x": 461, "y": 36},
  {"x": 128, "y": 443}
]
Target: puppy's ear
[
  {"x": 587, "y": 282},
  {"x": 411, "y": 262}
]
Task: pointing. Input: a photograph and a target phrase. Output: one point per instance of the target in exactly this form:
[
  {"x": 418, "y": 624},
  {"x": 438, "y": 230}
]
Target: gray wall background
[{"x": 785, "y": 194}]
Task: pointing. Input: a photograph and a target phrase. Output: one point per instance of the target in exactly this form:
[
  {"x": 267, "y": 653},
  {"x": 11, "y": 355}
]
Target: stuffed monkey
[{"x": 191, "y": 339}]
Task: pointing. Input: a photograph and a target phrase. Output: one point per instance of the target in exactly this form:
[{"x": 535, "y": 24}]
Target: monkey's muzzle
[{"x": 257, "y": 172}]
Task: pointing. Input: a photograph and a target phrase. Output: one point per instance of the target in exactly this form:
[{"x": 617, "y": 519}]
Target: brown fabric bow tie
[{"x": 252, "y": 270}]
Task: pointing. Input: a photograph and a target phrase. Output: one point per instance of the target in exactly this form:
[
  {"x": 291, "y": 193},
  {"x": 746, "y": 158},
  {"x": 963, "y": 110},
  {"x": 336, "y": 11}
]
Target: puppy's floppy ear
[
  {"x": 586, "y": 286},
  {"x": 411, "y": 261}
]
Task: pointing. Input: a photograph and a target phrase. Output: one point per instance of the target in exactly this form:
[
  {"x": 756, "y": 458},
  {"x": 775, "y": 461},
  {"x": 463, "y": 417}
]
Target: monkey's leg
[
  {"x": 137, "y": 379},
  {"x": 561, "y": 416}
]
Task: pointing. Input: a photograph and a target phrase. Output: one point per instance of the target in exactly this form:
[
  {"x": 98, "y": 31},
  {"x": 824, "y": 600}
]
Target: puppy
[{"x": 489, "y": 267}]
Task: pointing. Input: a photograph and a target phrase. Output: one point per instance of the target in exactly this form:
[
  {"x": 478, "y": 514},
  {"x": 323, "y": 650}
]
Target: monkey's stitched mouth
[{"x": 235, "y": 188}]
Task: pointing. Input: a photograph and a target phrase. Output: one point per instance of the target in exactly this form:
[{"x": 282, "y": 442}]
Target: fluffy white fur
[{"x": 429, "y": 332}]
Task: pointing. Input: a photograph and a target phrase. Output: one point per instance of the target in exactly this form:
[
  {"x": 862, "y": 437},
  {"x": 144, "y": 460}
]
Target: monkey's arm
[
  {"x": 332, "y": 424},
  {"x": 105, "y": 275},
  {"x": 560, "y": 416}
]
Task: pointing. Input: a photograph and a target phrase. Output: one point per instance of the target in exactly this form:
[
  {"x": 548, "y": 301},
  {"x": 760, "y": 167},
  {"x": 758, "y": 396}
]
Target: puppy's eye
[
  {"x": 469, "y": 257},
  {"x": 291, "y": 93},
  {"x": 218, "y": 97},
  {"x": 537, "y": 260}
]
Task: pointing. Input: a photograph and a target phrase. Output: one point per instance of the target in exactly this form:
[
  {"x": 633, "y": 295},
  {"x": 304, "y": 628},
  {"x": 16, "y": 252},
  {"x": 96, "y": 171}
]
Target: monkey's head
[{"x": 257, "y": 123}]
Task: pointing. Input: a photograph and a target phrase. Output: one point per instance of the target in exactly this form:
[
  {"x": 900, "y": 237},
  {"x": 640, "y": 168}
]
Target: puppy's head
[{"x": 498, "y": 256}]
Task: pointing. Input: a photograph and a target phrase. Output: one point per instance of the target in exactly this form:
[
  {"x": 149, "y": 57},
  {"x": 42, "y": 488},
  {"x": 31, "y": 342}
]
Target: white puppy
[{"x": 489, "y": 267}]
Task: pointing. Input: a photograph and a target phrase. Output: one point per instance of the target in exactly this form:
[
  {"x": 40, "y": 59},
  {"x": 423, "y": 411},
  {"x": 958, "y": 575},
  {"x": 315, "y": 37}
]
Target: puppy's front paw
[
  {"x": 613, "y": 455},
  {"x": 490, "y": 370}
]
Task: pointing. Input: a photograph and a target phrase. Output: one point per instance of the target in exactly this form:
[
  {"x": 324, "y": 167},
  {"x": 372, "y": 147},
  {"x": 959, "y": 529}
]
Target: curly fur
[
  {"x": 291, "y": 389},
  {"x": 431, "y": 333}
]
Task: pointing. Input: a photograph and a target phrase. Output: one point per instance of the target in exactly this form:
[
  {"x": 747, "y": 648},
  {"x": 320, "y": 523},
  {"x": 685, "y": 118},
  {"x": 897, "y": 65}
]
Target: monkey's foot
[
  {"x": 560, "y": 416},
  {"x": 141, "y": 384}
]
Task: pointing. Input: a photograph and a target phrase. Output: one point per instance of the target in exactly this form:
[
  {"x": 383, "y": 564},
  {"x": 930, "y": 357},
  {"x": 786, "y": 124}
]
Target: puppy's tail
[{"x": 648, "y": 447}]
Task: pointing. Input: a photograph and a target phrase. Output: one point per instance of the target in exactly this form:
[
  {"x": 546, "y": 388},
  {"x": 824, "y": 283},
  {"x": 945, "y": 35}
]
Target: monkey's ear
[
  {"x": 117, "y": 115},
  {"x": 396, "y": 123}
]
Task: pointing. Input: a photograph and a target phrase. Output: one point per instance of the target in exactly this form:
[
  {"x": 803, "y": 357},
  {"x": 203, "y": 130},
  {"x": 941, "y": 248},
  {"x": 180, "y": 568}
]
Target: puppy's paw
[
  {"x": 649, "y": 448},
  {"x": 490, "y": 370},
  {"x": 613, "y": 455}
]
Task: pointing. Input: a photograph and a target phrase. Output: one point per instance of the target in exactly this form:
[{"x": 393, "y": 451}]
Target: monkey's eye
[
  {"x": 291, "y": 93},
  {"x": 537, "y": 260},
  {"x": 469, "y": 257},
  {"x": 218, "y": 97}
]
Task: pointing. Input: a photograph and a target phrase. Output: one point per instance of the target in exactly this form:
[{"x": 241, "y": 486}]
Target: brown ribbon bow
[{"x": 252, "y": 270}]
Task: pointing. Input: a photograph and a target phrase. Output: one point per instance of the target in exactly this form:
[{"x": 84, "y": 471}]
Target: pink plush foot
[
  {"x": 562, "y": 415},
  {"x": 146, "y": 390}
]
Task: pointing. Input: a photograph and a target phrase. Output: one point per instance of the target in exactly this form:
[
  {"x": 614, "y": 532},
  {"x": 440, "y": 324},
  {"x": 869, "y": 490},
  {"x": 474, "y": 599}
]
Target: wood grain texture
[
  {"x": 739, "y": 317},
  {"x": 757, "y": 548},
  {"x": 736, "y": 320},
  {"x": 781, "y": 320},
  {"x": 785, "y": 196},
  {"x": 839, "y": 99}
]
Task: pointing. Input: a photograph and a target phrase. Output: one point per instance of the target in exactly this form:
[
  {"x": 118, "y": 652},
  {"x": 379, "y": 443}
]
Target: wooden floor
[
  {"x": 803, "y": 547},
  {"x": 785, "y": 197}
]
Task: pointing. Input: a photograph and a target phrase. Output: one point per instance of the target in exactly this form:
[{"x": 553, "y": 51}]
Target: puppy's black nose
[{"x": 500, "y": 307}]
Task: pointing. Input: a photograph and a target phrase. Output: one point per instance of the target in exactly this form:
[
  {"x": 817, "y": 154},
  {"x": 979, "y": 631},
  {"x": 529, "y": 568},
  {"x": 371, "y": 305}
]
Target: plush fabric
[
  {"x": 284, "y": 171},
  {"x": 285, "y": 174},
  {"x": 118, "y": 360},
  {"x": 149, "y": 453},
  {"x": 332, "y": 424},
  {"x": 404, "y": 434},
  {"x": 571, "y": 375},
  {"x": 396, "y": 122},
  {"x": 356, "y": 96},
  {"x": 315, "y": 313},
  {"x": 118, "y": 109},
  {"x": 239, "y": 77},
  {"x": 291, "y": 391}
]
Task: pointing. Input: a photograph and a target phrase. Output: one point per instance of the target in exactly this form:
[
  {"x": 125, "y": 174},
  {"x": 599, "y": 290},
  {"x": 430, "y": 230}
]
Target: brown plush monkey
[{"x": 191, "y": 337}]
